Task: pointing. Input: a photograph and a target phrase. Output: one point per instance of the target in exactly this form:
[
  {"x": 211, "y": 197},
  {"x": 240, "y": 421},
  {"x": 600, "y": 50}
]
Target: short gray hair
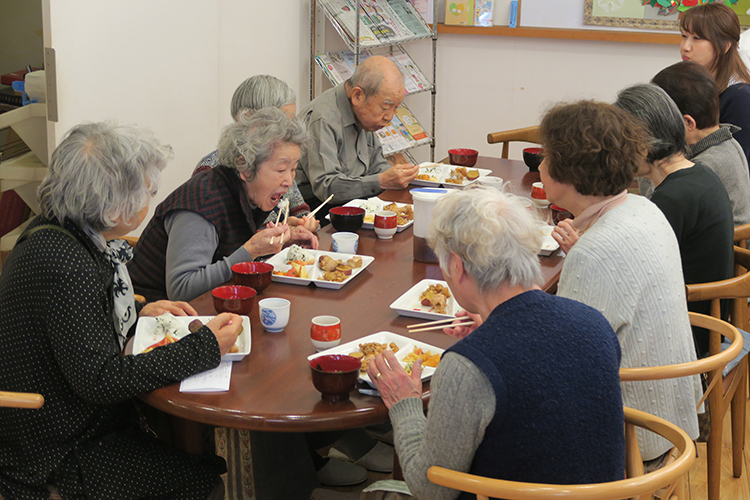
[
  {"x": 496, "y": 236},
  {"x": 660, "y": 115},
  {"x": 261, "y": 91},
  {"x": 251, "y": 140},
  {"x": 368, "y": 78},
  {"x": 102, "y": 172}
]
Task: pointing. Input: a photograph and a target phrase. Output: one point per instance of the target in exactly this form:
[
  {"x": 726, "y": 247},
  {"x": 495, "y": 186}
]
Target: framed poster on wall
[{"x": 650, "y": 14}]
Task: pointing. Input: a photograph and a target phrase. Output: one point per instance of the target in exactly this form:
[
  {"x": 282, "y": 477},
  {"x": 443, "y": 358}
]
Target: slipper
[
  {"x": 338, "y": 473},
  {"x": 378, "y": 459}
]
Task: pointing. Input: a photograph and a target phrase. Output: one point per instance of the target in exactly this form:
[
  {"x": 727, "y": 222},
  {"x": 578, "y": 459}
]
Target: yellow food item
[
  {"x": 437, "y": 297},
  {"x": 428, "y": 359}
]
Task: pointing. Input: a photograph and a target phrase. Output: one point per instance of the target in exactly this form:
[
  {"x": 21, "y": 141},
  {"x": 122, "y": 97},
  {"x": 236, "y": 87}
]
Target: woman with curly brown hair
[
  {"x": 710, "y": 37},
  {"x": 625, "y": 261}
]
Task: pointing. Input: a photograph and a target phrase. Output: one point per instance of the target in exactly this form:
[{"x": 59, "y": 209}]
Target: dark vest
[
  {"x": 554, "y": 366},
  {"x": 218, "y": 196}
]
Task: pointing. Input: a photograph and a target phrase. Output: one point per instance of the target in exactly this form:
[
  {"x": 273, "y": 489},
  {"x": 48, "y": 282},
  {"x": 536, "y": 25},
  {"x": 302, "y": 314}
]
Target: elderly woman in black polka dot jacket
[{"x": 66, "y": 308}]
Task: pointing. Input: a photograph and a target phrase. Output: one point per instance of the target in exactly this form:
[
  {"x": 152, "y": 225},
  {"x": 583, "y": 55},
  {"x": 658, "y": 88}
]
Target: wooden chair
[
  {"x": 633, "y": 487},
  {"x": 21, "y": 400},
  {"x": 741, "y": 235},
  {"x": 528, "y": 134},
  {"x": 718, "y": 393}
]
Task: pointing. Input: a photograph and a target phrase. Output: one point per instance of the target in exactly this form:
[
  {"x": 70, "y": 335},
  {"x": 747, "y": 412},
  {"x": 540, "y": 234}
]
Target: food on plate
[
  {"x": 459, "y": 174},
  {"x": 403, "y": 214},
  {"x": 298, "y": 254},
  {"x": 168, "y": 339},
  {"x": 347, "y": 270},
  {"x": 437, "y": 297},
  {"x": 428, "y": 359},
  {"x": 427, "y": 177},
  {"x": 327, "y": 263},
  {"x": 369, "y": 350},
  {"x": 370, "y": 208},
  {"x": 335, "y": 276},
  {"x": 297, "y": 270},
  {"x": 430, "y": 173}
]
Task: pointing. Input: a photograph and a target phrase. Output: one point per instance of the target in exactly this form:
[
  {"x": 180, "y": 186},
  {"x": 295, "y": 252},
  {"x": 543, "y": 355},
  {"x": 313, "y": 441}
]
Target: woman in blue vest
[{"x": 533, "y": 394}]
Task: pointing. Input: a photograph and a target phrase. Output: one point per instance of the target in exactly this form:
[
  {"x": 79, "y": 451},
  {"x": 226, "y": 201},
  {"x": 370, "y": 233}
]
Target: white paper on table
[{"x": 215, "y": 380}]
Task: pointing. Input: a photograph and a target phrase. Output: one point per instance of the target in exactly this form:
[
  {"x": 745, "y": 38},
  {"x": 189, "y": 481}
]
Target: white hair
[
  {"x": 493, "y": 233},
  {"x": 102, "y": 173},
  {"x": 261, "y": 91},
  {"x": 252, "y": 139}
]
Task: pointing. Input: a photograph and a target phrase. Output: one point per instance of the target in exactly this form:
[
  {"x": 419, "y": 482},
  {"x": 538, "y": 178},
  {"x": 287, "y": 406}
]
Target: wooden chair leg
[
  {"x": 713, "y": 447},
  {"x": 738, "y": 425}
]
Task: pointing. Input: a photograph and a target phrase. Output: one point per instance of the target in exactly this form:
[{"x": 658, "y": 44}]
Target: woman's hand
[
  {"x": 565, "y": 235},
  {"x": 167, "y": 306},
  {"x": 226, "y": 327},
  {"x": 392, "y": 381},
  {"x": 260, "y": 244},
  {"x": 303, "y": 237},
  {"x": 462, "y": 331},
  {"x": 310, "y": 223}
]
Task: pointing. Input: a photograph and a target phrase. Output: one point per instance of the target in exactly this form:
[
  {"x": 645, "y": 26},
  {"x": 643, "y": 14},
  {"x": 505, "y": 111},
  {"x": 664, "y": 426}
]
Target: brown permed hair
[
  {"x": 720, "y": 25},
  {"x": 593, "y": 146}
]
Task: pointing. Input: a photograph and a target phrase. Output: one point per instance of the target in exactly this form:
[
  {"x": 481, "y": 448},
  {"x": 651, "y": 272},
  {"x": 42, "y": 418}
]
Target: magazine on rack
[
  {"x": 411, "y": 123},
  {"x": 381, "y": 21},
  {"x": 483, "y": 13}
]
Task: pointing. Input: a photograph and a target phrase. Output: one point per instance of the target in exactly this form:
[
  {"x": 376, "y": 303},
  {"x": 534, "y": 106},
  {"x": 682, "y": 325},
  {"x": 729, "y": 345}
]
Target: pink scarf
[{"x": 588, "y": 217}]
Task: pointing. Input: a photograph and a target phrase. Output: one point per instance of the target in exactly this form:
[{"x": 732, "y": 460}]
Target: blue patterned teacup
[{"x": 274, "y": 313}]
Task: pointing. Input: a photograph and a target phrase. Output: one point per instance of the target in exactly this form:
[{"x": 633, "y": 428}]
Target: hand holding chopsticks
[{"x": 438, "y": 325}]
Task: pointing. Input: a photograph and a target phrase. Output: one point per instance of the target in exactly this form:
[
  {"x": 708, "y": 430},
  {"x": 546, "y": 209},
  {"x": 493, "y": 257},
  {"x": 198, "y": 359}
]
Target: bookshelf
[{"x": 384, "y": 27}]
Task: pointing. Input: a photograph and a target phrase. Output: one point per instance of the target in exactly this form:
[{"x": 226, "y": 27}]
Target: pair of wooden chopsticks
[
  {"x": 286, "y": 216},
  {"x": 437, "y": 325},
  {"x": 278, "y": 216}
]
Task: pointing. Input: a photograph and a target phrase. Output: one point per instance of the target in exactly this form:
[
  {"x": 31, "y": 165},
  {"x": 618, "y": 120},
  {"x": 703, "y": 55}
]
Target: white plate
[
  {"x": 442, "y": 171},
  {"x": 405, "y": 346},
  {"x": 145, "y": 336},
  {"x": 380, "y": 204},
  {"x": 278, "y": 262},
  {"x": 549, "y": 245},
  {"x": 408, "y": 304}
]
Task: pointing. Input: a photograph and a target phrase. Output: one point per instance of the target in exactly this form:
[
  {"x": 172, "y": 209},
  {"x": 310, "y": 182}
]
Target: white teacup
[
  {"x": 274, "y": 313},
  {"x": 345, "y": 242},
  {"x": 493, "y": 182}
]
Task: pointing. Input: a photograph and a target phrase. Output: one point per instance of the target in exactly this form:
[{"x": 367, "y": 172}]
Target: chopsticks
[
  {"x": 320, "y": 206},
  {"x": 437, "y": 325},
  {"x": 286, "y": 216},
  {"x": 278, "y": 216}
]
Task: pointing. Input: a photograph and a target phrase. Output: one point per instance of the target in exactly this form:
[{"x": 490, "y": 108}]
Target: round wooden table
[{"x": 271, "y": 388}]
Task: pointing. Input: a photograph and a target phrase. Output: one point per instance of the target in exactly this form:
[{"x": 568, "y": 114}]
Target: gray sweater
[
  {"x": 627, "y": 265},
  {"x": 722, "y": 154}
]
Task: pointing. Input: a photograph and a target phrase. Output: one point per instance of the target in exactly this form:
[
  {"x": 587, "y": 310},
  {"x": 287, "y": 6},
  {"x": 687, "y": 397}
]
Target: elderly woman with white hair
[
  {"x": 66, "y": 309},
  {"x": 255, "y": 93},
  {"x": 216, "y": 219},
  {"x": 691, "y": 195},
  {"x": 494, "y": 411}
]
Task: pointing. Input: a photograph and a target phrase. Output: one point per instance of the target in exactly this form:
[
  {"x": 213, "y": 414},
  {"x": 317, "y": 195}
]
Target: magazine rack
[{"x": 383, "y": 27}]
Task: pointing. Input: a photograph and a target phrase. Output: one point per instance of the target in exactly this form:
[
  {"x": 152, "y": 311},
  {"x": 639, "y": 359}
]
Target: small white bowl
[
  {"x": 322, "y": 345},
  {"x": 385, "y": 234}
]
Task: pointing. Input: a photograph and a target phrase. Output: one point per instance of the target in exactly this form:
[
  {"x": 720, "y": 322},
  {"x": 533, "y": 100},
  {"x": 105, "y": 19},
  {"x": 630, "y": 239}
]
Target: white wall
[{"x": 172, "y": 66}]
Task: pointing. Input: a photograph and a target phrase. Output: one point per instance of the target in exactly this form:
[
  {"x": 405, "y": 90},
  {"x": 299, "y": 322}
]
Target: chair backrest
[
  {"x": 528, "y": 134},
  {"x": 713, "y": 364},
  {"x": 21, "y": 400},
  {"x": 625, "y": 488},
  {"x": 741, "y": 235}
]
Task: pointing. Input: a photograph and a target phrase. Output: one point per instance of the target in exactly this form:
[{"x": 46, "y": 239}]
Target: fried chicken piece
[
  {"x": 354, "y": 262},
  {"x": 328, "y": 264}
]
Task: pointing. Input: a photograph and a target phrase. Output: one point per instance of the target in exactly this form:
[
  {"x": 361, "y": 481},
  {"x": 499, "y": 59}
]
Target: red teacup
[
  {"x": 386, "y": 219},
  {"x": 325, "y": 332},
  {"x": 538, "y": 192}
]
